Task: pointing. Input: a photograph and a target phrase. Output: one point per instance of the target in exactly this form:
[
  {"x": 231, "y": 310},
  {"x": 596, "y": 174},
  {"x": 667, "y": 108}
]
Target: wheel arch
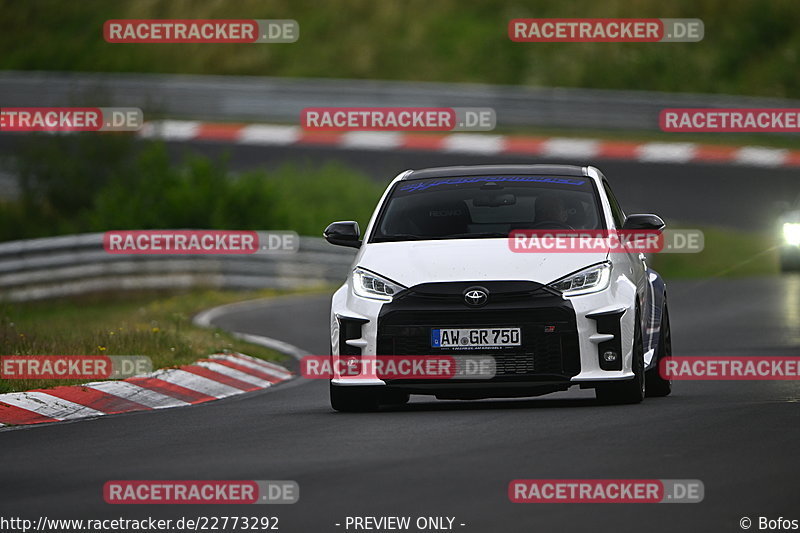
[{"x": 657, "y": 289}]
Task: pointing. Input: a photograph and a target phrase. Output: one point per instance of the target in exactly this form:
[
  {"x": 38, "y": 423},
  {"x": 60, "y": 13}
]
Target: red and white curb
[
  {"x": 473, "y": 143},
  {"x": 219, "y": 376}
]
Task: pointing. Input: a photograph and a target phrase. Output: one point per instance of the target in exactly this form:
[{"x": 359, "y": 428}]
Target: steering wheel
[{"x": 551, "y": 224}]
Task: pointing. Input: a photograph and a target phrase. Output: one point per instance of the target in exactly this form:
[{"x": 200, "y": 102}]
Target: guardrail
[
  {"x": 75, "y": 264},
  {"x": 265, "y": 99}
]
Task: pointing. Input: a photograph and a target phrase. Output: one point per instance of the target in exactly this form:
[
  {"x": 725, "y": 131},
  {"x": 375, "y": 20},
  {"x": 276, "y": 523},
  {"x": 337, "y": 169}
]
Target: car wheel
[
  {"x": 353, "y": 399},
  {"x": 631, "y": 390},
  {"x": 657, "y": 385}
]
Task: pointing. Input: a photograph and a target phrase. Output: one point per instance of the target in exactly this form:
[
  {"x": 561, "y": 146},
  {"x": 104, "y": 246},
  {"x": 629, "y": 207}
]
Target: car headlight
[
  {"x": 369, "y": 285},
  {"x": 592, "y": 279},
  {"x": 791, "y": 233}
]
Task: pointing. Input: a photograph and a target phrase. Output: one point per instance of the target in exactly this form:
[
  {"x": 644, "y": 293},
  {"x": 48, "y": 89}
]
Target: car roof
[{"x": 480, "y": 170}]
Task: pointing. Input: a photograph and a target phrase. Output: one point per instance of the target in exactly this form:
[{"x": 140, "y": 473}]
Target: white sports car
[{"x": 435, "y": 275}]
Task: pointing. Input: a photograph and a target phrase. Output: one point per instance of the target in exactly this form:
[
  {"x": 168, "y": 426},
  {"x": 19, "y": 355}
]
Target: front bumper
[{"x": 562, "y": 338}]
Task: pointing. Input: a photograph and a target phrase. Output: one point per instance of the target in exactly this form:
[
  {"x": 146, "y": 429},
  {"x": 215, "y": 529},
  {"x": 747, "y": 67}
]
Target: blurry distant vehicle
[{"x": 789, "y": 226}]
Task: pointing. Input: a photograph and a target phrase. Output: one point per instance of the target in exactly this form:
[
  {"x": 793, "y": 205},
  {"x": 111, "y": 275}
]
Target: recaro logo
[
  {"x": 476, "y": 296},
  {"x": 446, "y": 213}
]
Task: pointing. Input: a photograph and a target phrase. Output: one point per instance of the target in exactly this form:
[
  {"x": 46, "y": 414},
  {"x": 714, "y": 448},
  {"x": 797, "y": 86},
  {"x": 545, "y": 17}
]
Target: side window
[{"x": 616, "y": 211}]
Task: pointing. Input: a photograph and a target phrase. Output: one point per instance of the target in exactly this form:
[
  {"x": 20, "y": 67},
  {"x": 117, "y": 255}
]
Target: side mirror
[
  {"x": 343, "y": 234},
  {"x": 645, "y": 222}
]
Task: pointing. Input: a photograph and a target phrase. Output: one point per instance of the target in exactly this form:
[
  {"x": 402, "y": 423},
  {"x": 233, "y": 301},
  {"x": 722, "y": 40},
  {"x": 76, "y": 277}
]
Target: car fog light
[{"x": 609, "y": 357}]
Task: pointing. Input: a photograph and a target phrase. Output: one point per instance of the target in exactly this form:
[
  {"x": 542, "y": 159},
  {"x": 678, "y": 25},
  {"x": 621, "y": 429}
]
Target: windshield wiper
[
  {"x": 400, "y": 237},
  {"x": 486, "y": 234}
]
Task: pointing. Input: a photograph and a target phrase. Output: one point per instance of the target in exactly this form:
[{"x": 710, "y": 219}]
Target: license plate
[{"x": 475, "y": 337}]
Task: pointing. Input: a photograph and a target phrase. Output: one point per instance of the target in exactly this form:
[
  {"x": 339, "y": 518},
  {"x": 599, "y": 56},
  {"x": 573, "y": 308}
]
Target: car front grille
[{"x": 549, "y": 333}]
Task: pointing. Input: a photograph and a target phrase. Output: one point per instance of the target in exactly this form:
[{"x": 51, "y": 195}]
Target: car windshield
[{"x": 486, "y": 207}]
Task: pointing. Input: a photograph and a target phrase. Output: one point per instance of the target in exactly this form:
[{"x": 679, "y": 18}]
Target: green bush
[{"x": 84, "y": 183}]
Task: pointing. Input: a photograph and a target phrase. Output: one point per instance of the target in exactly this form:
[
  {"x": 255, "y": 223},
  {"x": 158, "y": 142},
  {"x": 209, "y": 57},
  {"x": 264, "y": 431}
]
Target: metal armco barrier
[{"x": 75, "y": 264}]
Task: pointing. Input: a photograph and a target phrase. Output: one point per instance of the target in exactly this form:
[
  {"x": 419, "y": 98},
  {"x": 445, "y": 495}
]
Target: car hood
[{"x": 413, "y": 262}]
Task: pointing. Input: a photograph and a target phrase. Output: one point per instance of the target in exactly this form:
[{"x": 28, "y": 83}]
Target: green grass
[
  {"x": 727, "y": 253},
  {"x": 750, "y": 46},
  {"x": 154, "y": 324}
]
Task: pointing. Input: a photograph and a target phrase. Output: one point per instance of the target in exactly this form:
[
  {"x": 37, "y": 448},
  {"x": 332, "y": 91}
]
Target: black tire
[
  {"x": 394, "y": 398},
  {"x": 632, "y": 390},
  {"x": 657, "y": 386},
  {"x": 353, "y": 399}
]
